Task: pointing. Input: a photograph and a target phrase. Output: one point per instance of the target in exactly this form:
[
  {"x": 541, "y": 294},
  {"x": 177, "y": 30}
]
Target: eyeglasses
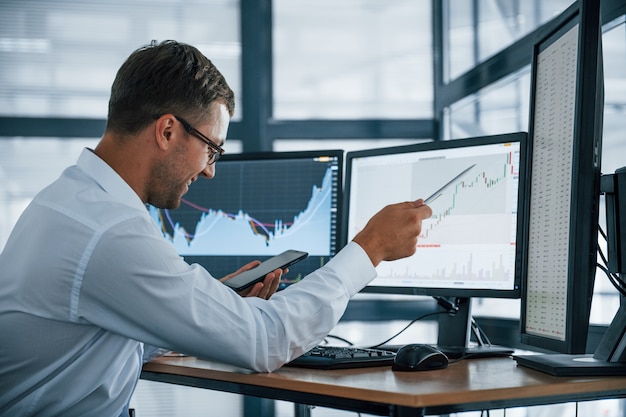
[{"x": 217, "y": 150}]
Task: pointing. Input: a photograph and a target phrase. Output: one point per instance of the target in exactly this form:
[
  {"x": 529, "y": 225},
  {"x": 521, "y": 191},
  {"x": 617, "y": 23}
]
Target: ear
[{"x": 164, "y": 131}]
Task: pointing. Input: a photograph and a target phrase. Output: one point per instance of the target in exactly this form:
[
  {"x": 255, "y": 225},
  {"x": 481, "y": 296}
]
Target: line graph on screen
[{"x": 241, "y": 232}]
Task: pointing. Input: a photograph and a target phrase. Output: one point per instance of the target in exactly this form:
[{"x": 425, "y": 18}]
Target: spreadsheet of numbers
[{"x": 551, "y": 182}]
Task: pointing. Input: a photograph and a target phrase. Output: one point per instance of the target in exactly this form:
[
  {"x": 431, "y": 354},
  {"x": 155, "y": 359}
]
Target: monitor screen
[
  {"x": 562, "y": 203},
  {"x": 469, "y": 246},
  {"x": 259, "y": 205}
]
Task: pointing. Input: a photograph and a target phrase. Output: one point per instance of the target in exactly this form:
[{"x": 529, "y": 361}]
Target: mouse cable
[
  {"x": 407, "y": 326},
  {"x": 332, "y": 336}
]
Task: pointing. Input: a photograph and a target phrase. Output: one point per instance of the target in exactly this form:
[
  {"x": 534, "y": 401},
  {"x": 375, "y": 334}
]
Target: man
[{"x": 88, "y": 284}]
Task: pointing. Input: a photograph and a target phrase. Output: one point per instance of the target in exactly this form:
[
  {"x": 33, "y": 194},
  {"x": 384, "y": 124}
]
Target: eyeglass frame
[{"x": 217, "y": 149}]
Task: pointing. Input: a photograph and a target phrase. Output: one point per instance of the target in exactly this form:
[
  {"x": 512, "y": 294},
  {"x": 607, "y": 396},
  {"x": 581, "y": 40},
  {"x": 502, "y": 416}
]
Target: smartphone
[{"x": 258, "y": 273}]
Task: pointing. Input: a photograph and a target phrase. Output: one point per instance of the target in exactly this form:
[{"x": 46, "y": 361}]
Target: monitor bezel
[
  {"x": 512, "y": 293},
  {"x": 585, "y": 177},
  {"x": 290, "y": 155}
]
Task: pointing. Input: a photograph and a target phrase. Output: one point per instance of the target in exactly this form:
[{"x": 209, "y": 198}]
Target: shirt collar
[{"x": 110, "y": 181}]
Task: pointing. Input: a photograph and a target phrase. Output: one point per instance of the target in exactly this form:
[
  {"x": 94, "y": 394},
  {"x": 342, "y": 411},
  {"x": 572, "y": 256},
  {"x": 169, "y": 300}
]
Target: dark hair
[{"x": 170, "y": 77}]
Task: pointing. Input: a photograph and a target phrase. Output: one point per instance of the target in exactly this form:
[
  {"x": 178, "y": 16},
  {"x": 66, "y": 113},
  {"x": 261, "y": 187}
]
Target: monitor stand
[
  {"x": 610, "y": 355},
  {"x": 608, "y": 359},
  {"x": 455, "y": 330}
]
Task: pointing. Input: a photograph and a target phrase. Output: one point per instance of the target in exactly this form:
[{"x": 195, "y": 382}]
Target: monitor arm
[{"x": 612, "y": 347}]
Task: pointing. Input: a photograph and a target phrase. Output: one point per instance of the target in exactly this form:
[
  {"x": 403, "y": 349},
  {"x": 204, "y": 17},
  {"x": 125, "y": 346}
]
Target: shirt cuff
[{"x": 354, "y": 266}]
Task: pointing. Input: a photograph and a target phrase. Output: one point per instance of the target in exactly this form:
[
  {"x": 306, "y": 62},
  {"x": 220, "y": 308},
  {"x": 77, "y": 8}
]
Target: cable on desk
[
  {"x": 331, "y": 336},
  {"x": 449, "y": 308},
  {"x": 406, "y": 327}
]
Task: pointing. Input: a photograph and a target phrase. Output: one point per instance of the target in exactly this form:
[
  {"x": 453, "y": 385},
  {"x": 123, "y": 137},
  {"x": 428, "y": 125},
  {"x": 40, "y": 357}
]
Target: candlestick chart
[{"x": 470, "y": 238}]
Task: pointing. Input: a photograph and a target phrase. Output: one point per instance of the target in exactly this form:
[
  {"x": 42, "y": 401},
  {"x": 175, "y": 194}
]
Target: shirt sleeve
[
  {"x": 151, "y": 352},
  {"x": 150, "y": 294}
]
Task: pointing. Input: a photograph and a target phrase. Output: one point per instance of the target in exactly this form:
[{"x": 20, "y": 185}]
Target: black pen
[{"x": 449, "y": 183}]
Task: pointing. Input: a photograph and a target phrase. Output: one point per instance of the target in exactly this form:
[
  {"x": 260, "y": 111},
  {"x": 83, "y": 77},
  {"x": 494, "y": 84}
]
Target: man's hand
[
  {"x": 392, "y": 232},
  {"x": 263, "y": 289}
]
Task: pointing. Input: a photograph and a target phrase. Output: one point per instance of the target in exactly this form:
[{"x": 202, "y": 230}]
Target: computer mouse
[{"x": 419, "y": 357}]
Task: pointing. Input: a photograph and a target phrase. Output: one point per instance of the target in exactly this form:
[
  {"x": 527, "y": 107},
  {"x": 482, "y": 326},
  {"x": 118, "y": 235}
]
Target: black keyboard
[{"x": 333, "y": 357}]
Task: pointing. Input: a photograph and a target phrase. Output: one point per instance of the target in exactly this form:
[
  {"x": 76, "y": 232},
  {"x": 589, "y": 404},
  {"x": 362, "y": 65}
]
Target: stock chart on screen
[
  {"x": 470, "y": 239},
  {"x": 257, "y": 206}
]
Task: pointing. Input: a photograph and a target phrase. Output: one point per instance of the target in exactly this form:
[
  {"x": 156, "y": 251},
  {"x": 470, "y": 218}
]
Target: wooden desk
[{"x": 468, "y": 385}]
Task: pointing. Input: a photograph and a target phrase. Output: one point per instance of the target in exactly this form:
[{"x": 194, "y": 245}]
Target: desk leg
[
  {"x": 258, "y": 407},
  {"x": 301, "y": 410}
]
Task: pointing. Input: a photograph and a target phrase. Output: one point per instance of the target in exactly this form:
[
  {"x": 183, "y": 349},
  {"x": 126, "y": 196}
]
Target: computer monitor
[
  {"x": 257, "y": 206},
  {"x": 567, "y": 97},
  {"x": 469, "y": 247}
]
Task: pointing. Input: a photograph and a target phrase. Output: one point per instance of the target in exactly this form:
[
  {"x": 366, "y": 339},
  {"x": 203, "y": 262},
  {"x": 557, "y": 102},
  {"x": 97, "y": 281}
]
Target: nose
[{"x": 208, "y": 171}]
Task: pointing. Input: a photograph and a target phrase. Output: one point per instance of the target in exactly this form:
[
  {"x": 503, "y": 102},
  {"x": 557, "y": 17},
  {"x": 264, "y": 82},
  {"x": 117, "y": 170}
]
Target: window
[
  {"x": 352, "y": 59},
  {"x": 499, "y": 108},
  {"x": 27, "y": 166},
  {"x": 60, "y": 58},
  {"x": 346, "y": 145},
  {"x": 476, "y": 30}
]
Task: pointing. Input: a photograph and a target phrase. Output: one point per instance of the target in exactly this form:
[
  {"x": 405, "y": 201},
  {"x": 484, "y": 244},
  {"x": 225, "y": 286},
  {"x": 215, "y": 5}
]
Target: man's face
[{"x": 189, "y": 158}]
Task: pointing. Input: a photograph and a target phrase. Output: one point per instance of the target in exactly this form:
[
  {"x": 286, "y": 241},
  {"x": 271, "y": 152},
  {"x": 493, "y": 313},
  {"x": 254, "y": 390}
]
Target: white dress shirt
[{"x": 87, "y": 284}]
